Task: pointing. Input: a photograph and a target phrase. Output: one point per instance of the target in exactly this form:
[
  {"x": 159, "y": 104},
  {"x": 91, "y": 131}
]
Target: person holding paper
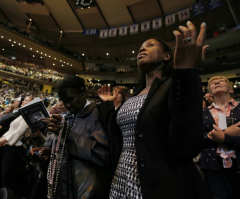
[
  {"x": 220, "y": 160},
  {"x": 13, "y": 153}
]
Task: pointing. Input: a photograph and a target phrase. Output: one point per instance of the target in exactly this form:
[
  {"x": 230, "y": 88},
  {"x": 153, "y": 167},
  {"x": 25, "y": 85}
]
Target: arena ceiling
[{"x": 61, "y": 25}]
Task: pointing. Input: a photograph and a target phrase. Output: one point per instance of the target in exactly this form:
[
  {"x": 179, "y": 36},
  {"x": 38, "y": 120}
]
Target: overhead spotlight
[
  {"x": 61, "y": 31},
  {"x": 133, "y": 52},
  {"x": 41, "y": 53},
  {"x": 49, "y": 56},
  {"x": 30, "y": 48},
  {"x": 14, "y": 42},
  {"x": 41, "y": 57},
  {"x": 12, "y": 45},
  {"x": 30, "y": 19},
  {"x": 83, "y": 54},
  {"x": 55, "y": 58},
  {"x": 2, "y": 36},
  {"x": 24, "y": 46},
  {"x": 53, "y": 64},
  {"x": 3, "y": 49},
  {"x": 107, "y": 53},
  {"x": 37, "y": 51},
  {"x": 9, "y": 40},
  {"x": 85, "y": 3},
  {"x": 33, "y": 56},
  {"x": 19, "y": 44}
]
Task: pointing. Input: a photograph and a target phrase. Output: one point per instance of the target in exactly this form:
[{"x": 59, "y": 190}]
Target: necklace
[{"x": 56, "y": 158}]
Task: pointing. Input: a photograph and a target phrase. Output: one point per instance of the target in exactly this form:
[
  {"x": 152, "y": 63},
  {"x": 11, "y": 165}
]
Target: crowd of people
[
  {"x": 33, "y": 72},
  {"x": 165, "y": 141}
]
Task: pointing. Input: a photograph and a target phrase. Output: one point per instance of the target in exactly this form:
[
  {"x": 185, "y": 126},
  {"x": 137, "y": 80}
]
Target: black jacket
[
  {"x": 85, "y": 172},
  {"x": 209, "y": 159},
  {"x": 168, "y": 136}
]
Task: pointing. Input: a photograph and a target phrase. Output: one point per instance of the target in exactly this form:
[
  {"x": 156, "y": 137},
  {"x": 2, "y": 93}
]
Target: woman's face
[
  {"x": 150, "y": 52},
  {"x": 119, "y": 97},
  {"x": 219, "y": 86}
]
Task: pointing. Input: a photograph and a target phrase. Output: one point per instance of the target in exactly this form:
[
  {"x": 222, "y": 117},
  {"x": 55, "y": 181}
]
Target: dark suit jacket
[{"x": 168, "y": 136}]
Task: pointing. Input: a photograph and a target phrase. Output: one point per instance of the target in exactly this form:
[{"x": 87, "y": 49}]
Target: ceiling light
[
  {"x": 33, "y": 56},
  {"x": 53, "y": 64},
  {"x": 84, "y": 3},
  {"x": 2, "y": 36},
  {"x": 10, "y": 40},
  {"x": 107, "y": 53},
  {"x": 55, "y": 58},
  {"x": 83, "y": 54},
  {"x": 12, "y": 45},
  {"x": 14, "y": 42},
  {"x": 3, "y": 49},
  {"x": 19, "y": 44},
  {"x": 41, "y": 57},
  {"x": 24, "y": 46},
  {"x": 30, "y": 48},
  {"x": 133, "y": 52},
  {"x": 37, "y": 51},
  {"x": 49, "y": 56}
]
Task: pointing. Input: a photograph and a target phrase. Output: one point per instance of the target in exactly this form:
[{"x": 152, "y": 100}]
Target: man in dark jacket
[{"x": 80, "y": 154}]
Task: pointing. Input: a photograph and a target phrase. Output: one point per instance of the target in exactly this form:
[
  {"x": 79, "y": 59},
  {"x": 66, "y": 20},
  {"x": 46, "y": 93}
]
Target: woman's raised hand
[
  {"x": 105, "y": 93},
  {"x": 188, "y": 49}
]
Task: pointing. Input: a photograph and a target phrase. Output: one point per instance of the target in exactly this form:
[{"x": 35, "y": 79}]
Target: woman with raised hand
[{"x": 156, "y": 133}]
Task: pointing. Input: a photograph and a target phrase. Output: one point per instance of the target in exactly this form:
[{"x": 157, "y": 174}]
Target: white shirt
[{"x": 16, "y": 130}]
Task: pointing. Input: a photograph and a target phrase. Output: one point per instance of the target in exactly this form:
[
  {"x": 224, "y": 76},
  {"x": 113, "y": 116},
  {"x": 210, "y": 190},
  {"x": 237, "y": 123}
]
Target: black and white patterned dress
[{"x": 126, "y": 182}]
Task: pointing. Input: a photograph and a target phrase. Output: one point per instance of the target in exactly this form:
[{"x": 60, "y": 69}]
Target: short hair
[
  {"x": 70, "y": 82},
  {"x": 218, "y": 77}
]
